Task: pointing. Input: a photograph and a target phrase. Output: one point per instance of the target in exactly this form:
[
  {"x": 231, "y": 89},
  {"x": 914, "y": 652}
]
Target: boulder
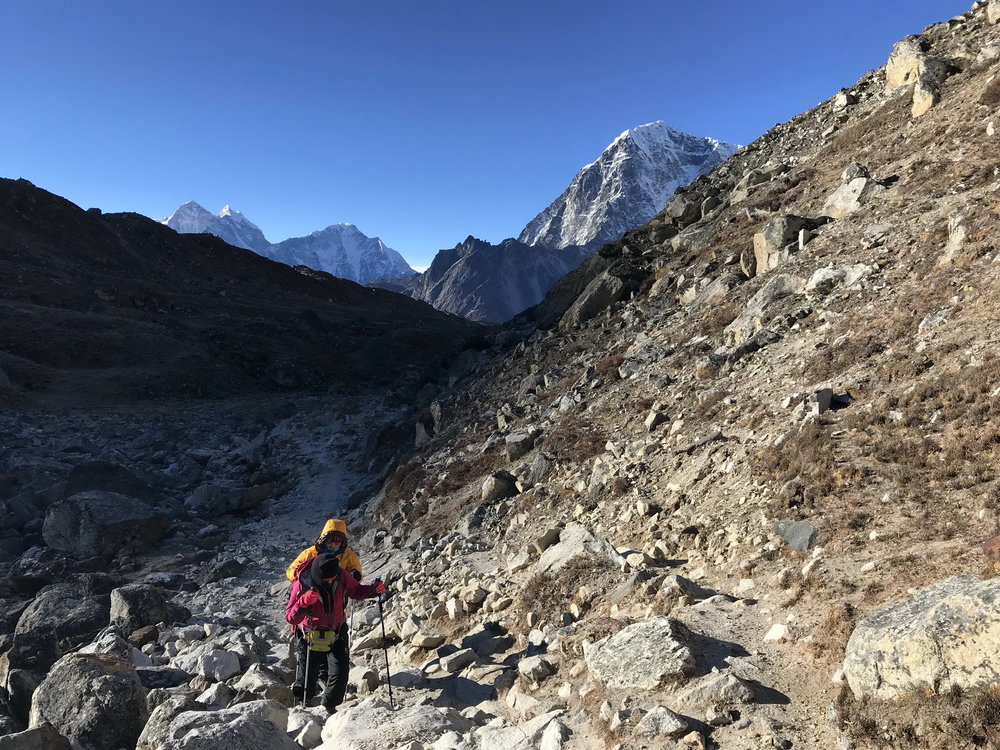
[
  {"x": 826, "y": 279},
  {"x": 44, "y": 737},
  {"x": 154, "y": 734},
  {"x": 644, "y": 656},
  {"x": 162, "y": 677},
  {"x": 98, "y": 524},
  {"x": 944, "y": 637},
  {"x": 37, "y": 650},
  {"x": 931, "y": 75},
  {"x": 778, "y": 240},
  {"x": 66, "y": 608},
  {"x": 683, "y": 209},
  {"x": 851, "y": 196},
  {"x": 498, "y": 485},
  {"x": 662, "y": 722},
  {"x": 262, "y": 683},
  {"x": 110, "y": 643},
  {"x": 107, "y": 476},
  {"x": 577, "y": 541},
  {"x": 518, "y": 444},
  {"x": 220, "y": 569},
  {"x": 230, "y": 729},
  {"x": 800, "y": 535},
  {"x": 372, "y": 725},
  {"x": 904, "y": 61},
  {"x": 719, "y": 689},
  {"x": 993, "y": 12},
  {"x": 137, "y": 605},
  {"x": 218, "y": 665},
  {"x": 543, "y": 732},
  {"x": 600, "y": 294},
  {"x": 35, "y": 569},
  {"x": 750, "y": 321},
  {"x": 94, "y": 700}
]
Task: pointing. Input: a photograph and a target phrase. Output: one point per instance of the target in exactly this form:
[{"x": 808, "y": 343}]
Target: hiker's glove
[
  {"x": 379, "y": 588},
  {"x": 309, "y": 598}
]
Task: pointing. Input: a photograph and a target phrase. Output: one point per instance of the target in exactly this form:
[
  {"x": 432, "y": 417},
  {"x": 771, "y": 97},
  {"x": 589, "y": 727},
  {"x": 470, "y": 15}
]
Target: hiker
[
  {"x": 316, "y": 609},
  {"x": 333, "y": 539}
]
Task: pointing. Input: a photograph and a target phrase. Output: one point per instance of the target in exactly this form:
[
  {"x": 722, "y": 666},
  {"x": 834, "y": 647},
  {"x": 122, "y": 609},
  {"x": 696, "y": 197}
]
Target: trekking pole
[
  {"x": 385, "y": 650},
  {"x": 350, "y": 640},
  {"x": 305, "y": 677}
]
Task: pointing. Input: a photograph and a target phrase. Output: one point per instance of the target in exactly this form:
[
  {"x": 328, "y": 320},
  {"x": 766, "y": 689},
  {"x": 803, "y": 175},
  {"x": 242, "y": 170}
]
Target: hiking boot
[
  {"x": 330, "y": 707},
  {"x": 297, "y": 692}
]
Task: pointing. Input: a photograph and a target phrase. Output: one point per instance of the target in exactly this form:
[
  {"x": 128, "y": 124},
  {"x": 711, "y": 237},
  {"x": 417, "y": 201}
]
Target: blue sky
[{"x": 421, "y": 123}]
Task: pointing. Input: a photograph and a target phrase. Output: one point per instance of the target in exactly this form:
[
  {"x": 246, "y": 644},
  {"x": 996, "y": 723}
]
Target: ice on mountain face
[
  {"x": 625, "y": 187},
  {"x": 340, "y": 249}
]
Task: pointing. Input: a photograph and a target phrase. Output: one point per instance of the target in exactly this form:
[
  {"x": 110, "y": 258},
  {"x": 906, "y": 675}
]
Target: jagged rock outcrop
[
  {"x": 98, "y": 524},
  {"x": 489, "y": 283}
]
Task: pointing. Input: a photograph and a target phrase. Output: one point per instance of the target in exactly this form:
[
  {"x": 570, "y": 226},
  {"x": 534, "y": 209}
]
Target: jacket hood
[{"x": 334, "y": 524}]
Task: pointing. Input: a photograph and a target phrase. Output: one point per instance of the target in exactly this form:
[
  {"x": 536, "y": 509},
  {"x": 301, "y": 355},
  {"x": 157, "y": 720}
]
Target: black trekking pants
[{"x": 332, "y": 667}]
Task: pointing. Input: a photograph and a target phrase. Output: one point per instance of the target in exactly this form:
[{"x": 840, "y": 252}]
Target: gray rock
[
  {"x": 662, "y": 722},
  {"x": 162, "y": 677},
  {"x": 853, "y": 171},
  {"x": 230, "y": 729},
  {"x": 683, "y": 209},
  {"x": 577, "y": 541},
  {"x": 98, "y": 524},
  {"x": 137, "y": 605},
  {"x": 851, "y": 197},
  {"x": 600, "y": 294},
  {"x": 44, "y": 737},
  {"x": 944, "y": 637},
  {"x": 777, "y": 240},
  {"x": 716, "y": 689},
  {"x": 544, "y": 732},
  {"x": 220, "y": 569},
  {"x": 931, "y": 75},
  {"x": 66, "y": 608},
  {"x": 935, "y": 319},
  {"x": 497, "y": 486},
  {"x": 644, "y": 656},
  {"x": 518, "y": 444},
  {"x": 458, "y": 661},
  {"x": 154, "y": 734},
  {"x": 993, "y": 12},
  {"x": 372, "y": 725},
  {"x": 825, "y": 280},
  {"x": 96, "y": 701},
  {"x": 800, "y": 535}
]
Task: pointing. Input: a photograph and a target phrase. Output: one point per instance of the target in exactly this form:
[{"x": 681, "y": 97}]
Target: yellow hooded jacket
[{"x": 348, "y": 560}]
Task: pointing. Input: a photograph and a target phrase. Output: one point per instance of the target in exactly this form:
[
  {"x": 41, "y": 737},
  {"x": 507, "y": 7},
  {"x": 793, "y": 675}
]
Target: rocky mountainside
[
  {"x": 727, "y": 486},
  {"x": 116, "y": 308},
  {"x": 341, "y": 249},
  {"x": 488, "y": 283},
  {"x": 625, "y": 187}
]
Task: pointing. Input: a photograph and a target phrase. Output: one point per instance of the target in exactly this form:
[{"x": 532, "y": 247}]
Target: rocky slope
[
  {"x": 727, "y": 486},
  {"x": 625, "y": 187},
  {"x": 488, "y": 283},
  {"x": 341, "y": 250}
]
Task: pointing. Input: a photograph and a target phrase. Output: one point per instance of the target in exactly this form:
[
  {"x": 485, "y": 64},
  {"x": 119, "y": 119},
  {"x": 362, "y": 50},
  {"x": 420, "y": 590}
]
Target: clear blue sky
[{"x": 420, "y": 122}]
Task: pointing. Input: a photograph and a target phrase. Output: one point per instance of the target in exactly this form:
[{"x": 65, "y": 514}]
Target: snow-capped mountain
[
  {"x": 625, "y": 187},
  {"x": 344, "y": 251},
  {"x": 340, "y": 249}
]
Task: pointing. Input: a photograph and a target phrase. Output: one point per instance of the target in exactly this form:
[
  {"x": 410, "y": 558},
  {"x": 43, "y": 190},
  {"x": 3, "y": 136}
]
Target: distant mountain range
[
  {"x": 625, "y": 187},
  {"x": 341, "y": 249},
  {"x": 622, "y": 190}
]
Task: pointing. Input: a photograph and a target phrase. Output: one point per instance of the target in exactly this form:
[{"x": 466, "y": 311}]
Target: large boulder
[
  {"x": 67, "y": 609},
  {"x": 931, "y": 75},
  {"x": 35, "y": 569},
  {"x": 98, "y": 524},
  {"x": 577, "y": 541},
  {"x": 44, "y": 737},
  {"x": 851, "y": 195},
  {"x": 137, "y": 605},
  {"x": 944, "y": 637},
  {"x": 778, "y": 239},
  {"x": 545, "y": 731},
  {"x": 93, "y": 699},
  {"x": 644, "y": 656},
  {"x": 904, "y": 61},
  {"x": 259, "y": 725},
  {"x": 372, "y": 725},
  {"x": 155, "y": 733},
  {"x": 600, "y": 294}
]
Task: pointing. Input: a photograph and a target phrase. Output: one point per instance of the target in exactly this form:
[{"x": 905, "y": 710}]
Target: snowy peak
[
  {"x": 340, "y": 249},
  {"x": 625, "y": 187},
  {"x": 189, "y": 218}
]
